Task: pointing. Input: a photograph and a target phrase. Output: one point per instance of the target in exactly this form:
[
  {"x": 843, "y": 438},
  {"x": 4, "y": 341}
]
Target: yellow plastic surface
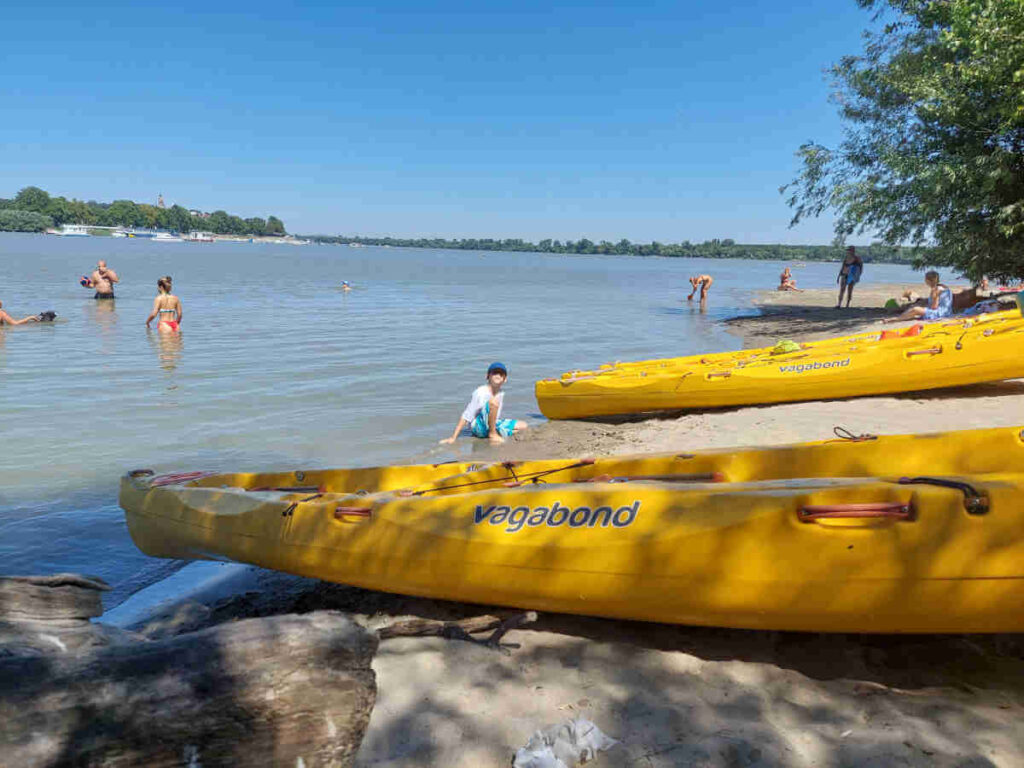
[
  {"x": 640, "y": 537},
  {"x": 946, "y": 356}
]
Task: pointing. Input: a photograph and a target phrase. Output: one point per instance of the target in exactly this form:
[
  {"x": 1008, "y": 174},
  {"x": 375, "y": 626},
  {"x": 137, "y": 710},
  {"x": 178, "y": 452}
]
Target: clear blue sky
[{"x": 662, "y": 120}]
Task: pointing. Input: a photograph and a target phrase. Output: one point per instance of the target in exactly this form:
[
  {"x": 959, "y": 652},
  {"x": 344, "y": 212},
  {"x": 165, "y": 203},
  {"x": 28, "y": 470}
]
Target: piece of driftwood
[
  {"x": 48, "y": 598},
  {"x": 285, "y": 690},
  {"x": 459, "y": 630}
]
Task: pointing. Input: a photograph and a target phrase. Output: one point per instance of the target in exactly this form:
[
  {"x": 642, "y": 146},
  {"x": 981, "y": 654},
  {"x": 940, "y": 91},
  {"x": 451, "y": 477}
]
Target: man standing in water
[{"x": 103, "y": 280}]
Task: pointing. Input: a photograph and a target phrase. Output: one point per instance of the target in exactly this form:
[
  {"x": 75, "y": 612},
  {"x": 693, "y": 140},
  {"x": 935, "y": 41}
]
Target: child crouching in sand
[{"x": 483, "y": 414}]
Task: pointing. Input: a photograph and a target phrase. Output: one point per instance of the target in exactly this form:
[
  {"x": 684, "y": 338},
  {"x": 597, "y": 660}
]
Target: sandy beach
[{"x": 676, "y": 695}]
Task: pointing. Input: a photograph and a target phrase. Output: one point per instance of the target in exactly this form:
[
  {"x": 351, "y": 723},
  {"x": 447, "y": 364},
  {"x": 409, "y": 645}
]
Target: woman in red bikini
[{"x": 167, "y": 307}]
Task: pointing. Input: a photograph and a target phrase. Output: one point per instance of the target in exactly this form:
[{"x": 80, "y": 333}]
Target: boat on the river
[
  {"x": 73, "y": 230},
  {"x": 906, "y": 533},
  {"x": 940, "y": 354}
]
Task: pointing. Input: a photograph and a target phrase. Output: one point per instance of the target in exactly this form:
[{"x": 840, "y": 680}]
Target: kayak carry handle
[
  {"x": 892, "y": 510},
  {"x": 929, "y": 351},
  {"x": 340, "y": 513}
]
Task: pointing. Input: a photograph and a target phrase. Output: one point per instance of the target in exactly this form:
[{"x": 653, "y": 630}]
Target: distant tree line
[
  {"x": 34, "y": 210},
  {"x": 710, "y": 249}
]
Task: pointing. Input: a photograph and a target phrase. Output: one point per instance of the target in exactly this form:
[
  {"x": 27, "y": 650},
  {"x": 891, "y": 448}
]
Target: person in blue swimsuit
[
  {"x": 940, "y": 302},
  {"x": 849, "y": 275}
]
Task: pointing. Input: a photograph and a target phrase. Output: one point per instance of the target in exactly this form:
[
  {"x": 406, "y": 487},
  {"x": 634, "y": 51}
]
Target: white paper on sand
[{"x": 563, "y": 746}]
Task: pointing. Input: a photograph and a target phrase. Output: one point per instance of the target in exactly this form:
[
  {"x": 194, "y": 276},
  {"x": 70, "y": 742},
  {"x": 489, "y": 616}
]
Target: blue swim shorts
[{"x": 504, "y": 427}]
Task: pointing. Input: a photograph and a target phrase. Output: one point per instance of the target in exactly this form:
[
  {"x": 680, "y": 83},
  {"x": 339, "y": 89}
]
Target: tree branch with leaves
[{"x": 932, "y": 153}]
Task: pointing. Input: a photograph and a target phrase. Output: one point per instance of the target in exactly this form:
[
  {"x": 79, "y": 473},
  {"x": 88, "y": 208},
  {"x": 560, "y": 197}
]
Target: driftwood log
[
  {"x": 285, "y": 690},
  {"x": 461, "y": 629}
]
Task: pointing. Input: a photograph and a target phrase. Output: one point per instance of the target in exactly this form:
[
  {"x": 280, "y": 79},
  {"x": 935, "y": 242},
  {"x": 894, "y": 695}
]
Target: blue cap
[{"x": 497, "y": 367}]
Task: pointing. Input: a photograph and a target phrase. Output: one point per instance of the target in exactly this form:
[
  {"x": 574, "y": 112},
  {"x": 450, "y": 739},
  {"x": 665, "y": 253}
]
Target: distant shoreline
[{"x": 712, "y": 249}]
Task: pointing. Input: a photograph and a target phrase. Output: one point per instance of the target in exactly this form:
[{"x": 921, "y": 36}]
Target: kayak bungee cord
[{"x": 533, "y": 477}]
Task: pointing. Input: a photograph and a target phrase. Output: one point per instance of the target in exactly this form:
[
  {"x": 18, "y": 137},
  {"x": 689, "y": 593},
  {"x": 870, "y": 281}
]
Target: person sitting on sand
[
  {"x": 702, "y": 282},
  {"x": 483, "y": 414},
  {"x": 786, "y": 281},
  {"x": 940, "y": 302},
  {"x": 849, "y": 275},
  {"x": 167, "y": 306},
  {"x": 103, "y": 280},
  {"x": 6, "y": 319}
]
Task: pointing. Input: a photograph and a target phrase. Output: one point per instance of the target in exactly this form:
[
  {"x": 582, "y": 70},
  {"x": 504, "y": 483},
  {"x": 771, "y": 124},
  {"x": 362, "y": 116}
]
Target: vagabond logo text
[
  {"x": 813, "y": 366},
  {"x": 514, "y": 518}
]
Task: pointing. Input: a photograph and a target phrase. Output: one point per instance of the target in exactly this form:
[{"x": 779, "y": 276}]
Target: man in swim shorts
[
  {"x": 483, "y": 414},
  {"x": 103, "y": 280}
]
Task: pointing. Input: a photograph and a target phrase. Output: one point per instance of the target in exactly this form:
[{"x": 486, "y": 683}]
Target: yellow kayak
[
  {"x": 943, "y": 358},
  {"x": 888, "y": 337},
  {"x": 895, "y": 534}
]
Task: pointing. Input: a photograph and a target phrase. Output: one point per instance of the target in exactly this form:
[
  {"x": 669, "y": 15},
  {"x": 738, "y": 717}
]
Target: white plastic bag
[{"x": 565, "y": 745}]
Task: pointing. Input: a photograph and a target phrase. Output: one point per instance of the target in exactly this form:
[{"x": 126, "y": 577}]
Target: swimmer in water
[
  {"x": 6, "y": 319},
  {"x": 167, "y": 306},
  {"x": 345, "y": 286}
]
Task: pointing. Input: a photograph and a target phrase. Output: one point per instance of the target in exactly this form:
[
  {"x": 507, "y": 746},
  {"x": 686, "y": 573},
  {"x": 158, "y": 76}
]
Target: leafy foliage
[
  {"x": 127, "y": 213},
  {"x": 933, "y": 145},
  {"x": 12, "y": 220}
]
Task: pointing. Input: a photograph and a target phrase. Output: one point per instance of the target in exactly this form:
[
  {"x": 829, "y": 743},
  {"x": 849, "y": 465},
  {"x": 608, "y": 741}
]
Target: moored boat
[
  {"x": 890, "y": 534},
  {"x": 73, "y": 230}
]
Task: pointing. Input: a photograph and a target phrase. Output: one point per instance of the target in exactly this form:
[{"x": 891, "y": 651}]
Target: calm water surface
[{"x": 277, "y": 368}]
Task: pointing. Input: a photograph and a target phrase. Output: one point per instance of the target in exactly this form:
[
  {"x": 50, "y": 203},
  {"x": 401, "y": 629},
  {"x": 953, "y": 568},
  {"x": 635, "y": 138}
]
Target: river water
[{"x": 276, "y": 367}]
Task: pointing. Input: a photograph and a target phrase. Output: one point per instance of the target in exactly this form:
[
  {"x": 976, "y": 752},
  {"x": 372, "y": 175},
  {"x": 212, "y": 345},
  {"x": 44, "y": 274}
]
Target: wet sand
[{"x": 676, "y": 695}]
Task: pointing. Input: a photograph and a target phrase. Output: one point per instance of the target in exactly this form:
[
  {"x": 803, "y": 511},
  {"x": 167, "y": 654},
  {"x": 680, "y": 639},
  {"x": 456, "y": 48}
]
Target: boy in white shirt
[{"x": 483, "y": 414}]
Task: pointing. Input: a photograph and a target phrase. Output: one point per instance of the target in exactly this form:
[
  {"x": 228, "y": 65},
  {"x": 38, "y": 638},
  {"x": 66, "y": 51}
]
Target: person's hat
[{"x": 497, "y": 368}]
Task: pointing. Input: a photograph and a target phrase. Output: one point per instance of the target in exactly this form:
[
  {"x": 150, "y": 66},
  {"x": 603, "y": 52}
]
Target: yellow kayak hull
[
  {"x": 972, "y": 356},
  {"x": 888, "y": 337},
  {"x": 643, "y": 537}
]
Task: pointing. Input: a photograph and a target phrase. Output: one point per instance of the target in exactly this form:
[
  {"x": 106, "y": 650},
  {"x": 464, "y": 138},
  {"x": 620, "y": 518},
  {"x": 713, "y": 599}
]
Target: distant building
[
  {"x": 160, "y": 201},
  {"x": 199, "y": 214}
]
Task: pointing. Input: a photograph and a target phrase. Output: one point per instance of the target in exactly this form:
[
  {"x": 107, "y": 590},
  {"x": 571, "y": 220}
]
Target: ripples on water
[{"x": 277, "y": 367}]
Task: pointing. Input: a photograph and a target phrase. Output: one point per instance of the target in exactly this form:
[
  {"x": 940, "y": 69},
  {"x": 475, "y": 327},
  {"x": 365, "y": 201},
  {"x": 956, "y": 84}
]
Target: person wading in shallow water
[
  {"x": 701, "y": 283},
  {"x": 167, "y": 307},
  {"x": 103, "y": 280}
]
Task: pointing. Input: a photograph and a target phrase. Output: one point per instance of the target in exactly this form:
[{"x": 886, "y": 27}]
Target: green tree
[
  {"x": 274, "y": 226},
  {"x": 124, "y": 213},
  {"x": 31, "y": 199},
  {"x": 180, "y": 219},
  {"x": 13, "y": 220},
  {"x": 219, "y": 223},
  {"x": 58, "y": 210},
  {"x": 932, "y": 152}
]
